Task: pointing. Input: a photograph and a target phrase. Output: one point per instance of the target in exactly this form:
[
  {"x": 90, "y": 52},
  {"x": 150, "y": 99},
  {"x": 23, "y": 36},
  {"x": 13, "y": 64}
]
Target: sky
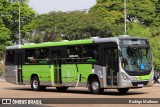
[{"x": 45, "y": 6}]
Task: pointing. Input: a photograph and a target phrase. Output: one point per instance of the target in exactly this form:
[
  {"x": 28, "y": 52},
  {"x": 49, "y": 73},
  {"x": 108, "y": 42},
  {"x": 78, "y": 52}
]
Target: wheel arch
[
  {"x": 91, "y": 77},
  {"x": 34, "y": 75}
]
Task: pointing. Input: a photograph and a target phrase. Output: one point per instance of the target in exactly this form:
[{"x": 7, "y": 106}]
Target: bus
[{"x": 120, "y": 63}]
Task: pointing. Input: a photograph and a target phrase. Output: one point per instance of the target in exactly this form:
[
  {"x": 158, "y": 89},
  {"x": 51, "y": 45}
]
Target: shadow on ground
[{"x": 110, "y": 92}]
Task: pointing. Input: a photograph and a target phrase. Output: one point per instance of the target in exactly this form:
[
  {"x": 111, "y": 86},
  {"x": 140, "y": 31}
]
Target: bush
[{"x": 2, "y": 68}]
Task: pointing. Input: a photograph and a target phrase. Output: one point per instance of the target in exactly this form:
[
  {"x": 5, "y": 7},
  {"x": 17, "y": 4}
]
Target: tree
[
  {"x": 9, "y": 21},
  {"x": 112, "y": 13},
  {"x": 4, "y": 38},
  {"x": 4, "y": 32},
  {"x": 142, "y": 20},
  {"x": 68, "y": 25},
  {"x": 11, "y": 17},
  {"x": 145, "y": 12}
]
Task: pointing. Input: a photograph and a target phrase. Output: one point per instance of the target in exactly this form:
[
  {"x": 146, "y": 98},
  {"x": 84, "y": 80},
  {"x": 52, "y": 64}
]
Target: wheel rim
[
  {"x": 35, "y": 84},
  {"x": 95, "y": 85}
]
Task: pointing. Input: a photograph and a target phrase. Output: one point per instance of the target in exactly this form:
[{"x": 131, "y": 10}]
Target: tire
[
  {"x": 94, "y": 86},
  {"x": 35, "y": 84},
  {"x": 123, "y": 90},
  {"x": 61, "y": 89}
]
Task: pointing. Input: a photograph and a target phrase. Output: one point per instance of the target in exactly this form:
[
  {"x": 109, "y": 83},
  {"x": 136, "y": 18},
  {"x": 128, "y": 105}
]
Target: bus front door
[
  {"x": 19, "y": 60},
  {"x": 56, "y": 57},
  {"x": 111, "y": 62}
]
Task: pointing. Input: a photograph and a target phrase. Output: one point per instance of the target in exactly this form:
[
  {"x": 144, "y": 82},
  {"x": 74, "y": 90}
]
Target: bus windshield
[{"x": 136, "y": 58}]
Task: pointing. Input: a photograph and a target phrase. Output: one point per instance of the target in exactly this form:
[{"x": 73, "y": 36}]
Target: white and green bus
[{"x": 118, "y": 63}]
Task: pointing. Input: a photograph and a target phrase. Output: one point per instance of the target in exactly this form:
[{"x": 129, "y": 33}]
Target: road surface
[{"x": 8, "y": 90}]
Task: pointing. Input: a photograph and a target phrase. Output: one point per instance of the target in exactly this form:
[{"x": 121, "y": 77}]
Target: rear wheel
[
  {"x": 61, "y": 89},
  {"x": 35, "y": 84},
  {"x": 94, "y": 86},
  {"x": 123, "y": 90}
]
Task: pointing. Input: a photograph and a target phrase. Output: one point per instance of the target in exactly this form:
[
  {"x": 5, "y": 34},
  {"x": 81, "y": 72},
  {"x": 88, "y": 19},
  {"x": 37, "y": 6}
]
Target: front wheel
[
  {"x": 123, "y": 90},
  {"x": 94, "y": 86}
]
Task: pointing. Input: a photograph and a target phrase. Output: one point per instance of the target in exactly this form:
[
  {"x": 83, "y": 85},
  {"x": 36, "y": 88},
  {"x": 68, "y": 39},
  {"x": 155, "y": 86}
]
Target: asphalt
[{"x": 154, "y": 85}]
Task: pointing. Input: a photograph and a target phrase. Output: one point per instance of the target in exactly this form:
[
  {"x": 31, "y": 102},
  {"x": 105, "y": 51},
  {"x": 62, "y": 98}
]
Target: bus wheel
[
  {"x": 61, "y": 89},
  {"x": 35, "y": 84},
  {"x": 94, "y": 86},
  {"x": 123, "y": 90}
]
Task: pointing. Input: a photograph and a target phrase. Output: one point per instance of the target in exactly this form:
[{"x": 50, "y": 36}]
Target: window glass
[
  {"x": 10, "y": 57},
  {"x": 30, "y": 56},
  {"x": 136, "y": 58},
  {"x": 90, "y": 53},
  {"x": 74, "y": 54},
  {"x": 42, "y": 56},
  {"x": 115, "y": 57}
]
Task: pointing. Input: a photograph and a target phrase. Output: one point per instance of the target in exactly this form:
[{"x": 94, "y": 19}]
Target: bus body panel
[
  {"x": 75, "y": 74},
  {"x": 70, "y": 75},
  {"x": 11, "y": 74},
  {"x": 100, "y": 71},
  {"x": 44, "y": 72}
]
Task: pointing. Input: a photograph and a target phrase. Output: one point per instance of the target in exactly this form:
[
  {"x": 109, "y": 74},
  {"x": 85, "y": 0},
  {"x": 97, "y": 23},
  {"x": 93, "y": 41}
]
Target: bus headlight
[{"x": 124, "y": 76}]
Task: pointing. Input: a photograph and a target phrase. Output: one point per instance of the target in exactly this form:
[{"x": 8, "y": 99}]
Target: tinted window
[
  {"x": 30, "y": 56},
  {"x": 90, "y": 53},
  {"x": 10, "y": 57},
  {"x": 74, "y": 54},
  {"x": 42, "y": 56}
]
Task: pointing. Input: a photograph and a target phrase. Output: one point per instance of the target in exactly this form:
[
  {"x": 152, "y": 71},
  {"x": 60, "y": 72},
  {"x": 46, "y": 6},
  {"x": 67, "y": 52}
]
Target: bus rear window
[{"x": 10, "y": 57}]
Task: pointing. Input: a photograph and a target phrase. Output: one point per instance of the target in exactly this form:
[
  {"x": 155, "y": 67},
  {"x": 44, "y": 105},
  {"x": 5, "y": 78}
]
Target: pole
[
  {"x": 19, "y": 23},
  {"x": 125, "y": 27}
]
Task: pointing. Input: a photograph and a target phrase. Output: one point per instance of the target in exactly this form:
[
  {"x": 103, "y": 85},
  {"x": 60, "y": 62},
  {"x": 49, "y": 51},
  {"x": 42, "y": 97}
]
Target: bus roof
[{"x": 73, "y": 42}]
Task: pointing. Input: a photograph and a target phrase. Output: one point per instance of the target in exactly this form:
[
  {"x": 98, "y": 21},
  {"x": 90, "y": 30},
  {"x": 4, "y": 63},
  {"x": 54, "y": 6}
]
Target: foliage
[
  {"x": 9, "y": 21},
  {"x": 73, "y": 25},
  {"x": 143, "y": 20},
  {"x": 12, "y": 21},
  {"x": 2, "y": 68}
]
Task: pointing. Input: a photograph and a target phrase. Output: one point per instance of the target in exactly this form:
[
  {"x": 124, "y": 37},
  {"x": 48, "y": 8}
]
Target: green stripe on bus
[{"x": 63, "y": 43}]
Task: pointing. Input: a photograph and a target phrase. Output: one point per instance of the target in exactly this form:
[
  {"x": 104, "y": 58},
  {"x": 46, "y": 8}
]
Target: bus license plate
[{"x": 140, "y": 85}]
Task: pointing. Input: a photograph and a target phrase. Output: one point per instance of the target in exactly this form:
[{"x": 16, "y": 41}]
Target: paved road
[{"x": 8, "y": 90}]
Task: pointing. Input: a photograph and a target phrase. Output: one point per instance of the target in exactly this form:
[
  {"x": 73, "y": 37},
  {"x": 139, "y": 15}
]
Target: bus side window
[
  {"x": 90, "y": 53},
  {"x": 10, "y": 57},
  {"x": 43, "y": 56},
  {"x": 73, "y": 54},
  {"x": 30, "y": 56}
]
